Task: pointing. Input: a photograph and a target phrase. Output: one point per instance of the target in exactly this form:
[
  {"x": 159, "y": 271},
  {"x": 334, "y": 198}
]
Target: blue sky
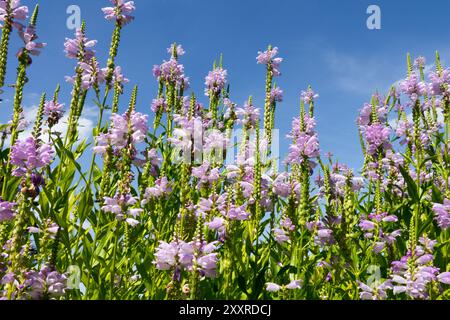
[{"x": 325, "y": 44}]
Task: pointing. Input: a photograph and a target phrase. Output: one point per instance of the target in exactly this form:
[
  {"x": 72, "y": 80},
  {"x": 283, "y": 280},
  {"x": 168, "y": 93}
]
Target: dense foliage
[{"x": 163, "y": 211}]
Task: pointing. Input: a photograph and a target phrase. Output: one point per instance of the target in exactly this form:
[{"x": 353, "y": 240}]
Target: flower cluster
[
  {"x": 54, "y": 112},
  {"x": 80, "y": 47},
  {"x": 7, "y": 210},
  {"x": 309, "y": 96},
  {"x": 121, "y": 207},
  {"x": 269, "y": 57},
  {"x": 215, "y": 81},
  {"x": 125, "y": 129},
  {"x": 377, "y": 137},
  {"x": 28, "y": 36},
  {"x": 192, "y": 211},
  {"x": 281, "y": 234},
  {"x": 171, "y": 72},
  {"x": 27, "y": 155},
  {"x": 121, "y": 12},
  {"x": 373, "y": 229},
  {"x": 413, "y": 87},
  {"x": 37, "y": 285},
  {"x": 414, "y": 273},
  {"x": 442, "y": 214},
  {"x": 14, "y": 11},
  {"x": 179, "y": 255}
]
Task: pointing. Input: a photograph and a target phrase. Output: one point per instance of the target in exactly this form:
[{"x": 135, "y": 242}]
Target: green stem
[{"x": 113, "y": 269}]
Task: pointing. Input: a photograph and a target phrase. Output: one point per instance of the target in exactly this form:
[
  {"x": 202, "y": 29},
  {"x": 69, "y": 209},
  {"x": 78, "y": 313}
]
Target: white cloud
[
  {"x": 86, "y": 122},
  {"x": 359, "y": 75}
]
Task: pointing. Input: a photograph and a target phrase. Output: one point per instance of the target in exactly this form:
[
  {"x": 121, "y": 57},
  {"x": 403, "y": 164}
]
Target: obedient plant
[{"x": 165, "y": 210}]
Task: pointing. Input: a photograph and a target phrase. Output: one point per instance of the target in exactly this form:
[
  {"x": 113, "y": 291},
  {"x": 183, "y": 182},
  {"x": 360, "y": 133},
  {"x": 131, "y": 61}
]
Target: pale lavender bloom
[
  {"x": 428, "y": 243},
  {"x": 230, "y": 109},
  {"x": 247, "y": 189},
  {"x": 92, "y": 74},
  {"x": 179, "y": 49},
  {"x": 287, "y": 224},
  {"x": 121, "y": 12},
  {"x": 154, "y": 160},
  {"x": 27, "y": 156},
  {"x": 7, "y": 210},
  {"x": 205, "y": 174},
  {"x": 377, "y": 136},
  {"x": 15, "y": 12},
  {"x": 118, "y": 76},
  {"x": 379, "y": 246},
  {"x": 305, "y": 146},
  {"x": 365, "y": 114},
  {"x": 208, "y": 264},
  {"x": 389, "y": 238},
  {"x": 325, "y": 234},
  {"x": 232, "y": 171},
  {"x": 205, "y": 206},
  {"x": 249, "y": 115},
  {"x": 295, "y": 284},
  {"x": 268, "y": 57},
  {"x": 54, "y": 111},
  {"x": 276, "y": 95},
  {"x": 391, "y": 218},
  {"x": 166, "y": 255},
  {"x": 170, "y": 71},
  {"x": 420, "y": 62},
  {"x": 159, "y": 105},
  {"x": 179, "y": 254},
  {"x": 442, "y": 214},
  {"x": 215, "y": 81},
  {"x": 444, "y": 277},
  {"x": 280, "y": 235},
  {"x": 23, "y": 124},
  {"x": 215, "y": 141},
  {"x": 309, "y": 127},
  {"x": 402, "y": 130},
  {"x": 185, "y": 254},
  {"x": 412, "y": 87},
  {"x": 45, "y": 282},
  {"x": 424, "y": 259},
  {"x": 132, "y": 222},
  {"x": 102, "y": 142},
  {"x": 238, "y": 213},
  {"x": 272, "y": 287},
  {"x": 357, "y": 183},
  {"x": 8, "y": 278},
  {"x": 309, "y": 96},
  {"x": 28, "y": 35},
  {"x": 282, "y": 186},
  {"x": 439, "y": 80},
  {"x": 216, "y": 224},
  {"x": 414, "y": 272},
  {"x": 374, "y": 292},
  {"x": 72, "y": 47},
  {"x": 119, "y": 132},
  {"x": 162, "y": 188},
  {"x": 367, "y": 225},
  {"x": 121, "y": 207}
]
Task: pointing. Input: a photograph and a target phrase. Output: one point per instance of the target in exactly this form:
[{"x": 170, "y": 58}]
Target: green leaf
[{"x": 411, "y": 185}]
